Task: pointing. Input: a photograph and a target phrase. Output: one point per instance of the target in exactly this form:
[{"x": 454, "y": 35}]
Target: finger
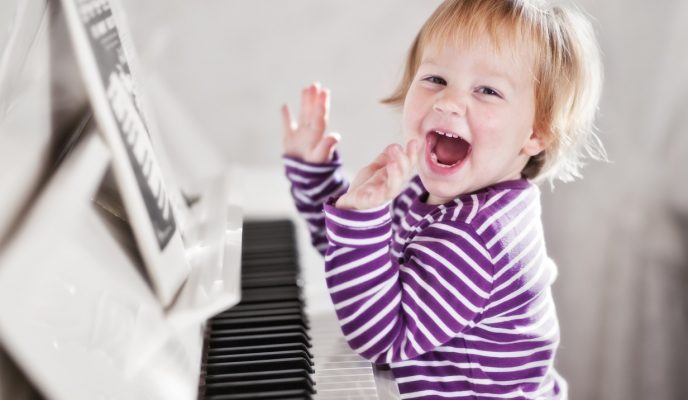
[
  {"x": 381, "y": 160},
  {"x": 408, "y": 158},
  {"x": 396, "y": 154},
  {"x": 400, "y": 166},
  {"x": 306, "y": 105},
  {"x": 321, "y": 109},
  {"x": 288, "y": 122},
  {"x": 326, "y": 96},
  {"x": 378, "y": 190},
  {"x": 396, "y": 174},
  {"x": 369, "y": 170},
  {"x": 394, "y": 149},
  {"x": 325, "y": 148},
  {"x": 318, "y": 117},
  {"x": 314, "y": 109},
  {"x": 412, "y": 148},
  {"x": 378, "y": 165}
]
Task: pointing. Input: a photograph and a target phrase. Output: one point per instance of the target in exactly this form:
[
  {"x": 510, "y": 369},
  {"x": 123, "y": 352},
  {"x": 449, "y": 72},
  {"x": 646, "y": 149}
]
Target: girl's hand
[
  {"x": 383, "y": 179},
  {"x": 306, "y": 139}
]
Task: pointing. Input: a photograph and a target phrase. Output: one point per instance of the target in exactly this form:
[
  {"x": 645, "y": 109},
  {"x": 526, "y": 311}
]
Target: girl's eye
[
  {"x": 489, "y": 91},
  {"x": 436, "y": 80}
]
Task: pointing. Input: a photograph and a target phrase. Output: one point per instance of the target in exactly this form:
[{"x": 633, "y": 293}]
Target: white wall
[{"x": 233, "y": 63}]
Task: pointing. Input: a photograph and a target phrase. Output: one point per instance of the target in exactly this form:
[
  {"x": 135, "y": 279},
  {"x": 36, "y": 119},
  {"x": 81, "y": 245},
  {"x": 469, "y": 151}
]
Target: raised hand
[
  {"x": 383, "y": 179},
  {"x": 306, "y": 139}
]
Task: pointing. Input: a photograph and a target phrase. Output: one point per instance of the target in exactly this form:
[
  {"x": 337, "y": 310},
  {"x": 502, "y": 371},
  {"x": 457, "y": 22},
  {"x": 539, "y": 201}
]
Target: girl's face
[{"x": 473, "y": 111}]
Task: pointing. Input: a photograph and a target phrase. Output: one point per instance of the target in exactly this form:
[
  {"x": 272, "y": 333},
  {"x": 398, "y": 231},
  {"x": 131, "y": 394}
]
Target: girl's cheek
[
  {"x": 484, "y": 121},
  {"x": 407, "y": 119},
  {"x": 412, "y": 110},
  {"x": 412, "y": 125}
]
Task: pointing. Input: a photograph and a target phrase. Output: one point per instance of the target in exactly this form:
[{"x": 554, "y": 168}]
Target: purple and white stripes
[
  {"x": 311, "y": 185},
  {"x": 456, "y": 297}
]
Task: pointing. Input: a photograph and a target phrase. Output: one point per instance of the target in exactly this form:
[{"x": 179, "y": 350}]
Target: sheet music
[{"x": 112, "y": 92}]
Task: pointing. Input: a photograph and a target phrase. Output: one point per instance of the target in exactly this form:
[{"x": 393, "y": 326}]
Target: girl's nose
[{"x": 451, "y": 103}]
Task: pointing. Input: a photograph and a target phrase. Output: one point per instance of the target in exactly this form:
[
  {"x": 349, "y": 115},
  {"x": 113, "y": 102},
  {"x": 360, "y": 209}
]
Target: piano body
[{"x": 82, "y": 313}]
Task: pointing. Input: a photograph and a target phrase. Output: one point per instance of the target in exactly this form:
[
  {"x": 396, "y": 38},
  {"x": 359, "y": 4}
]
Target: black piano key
[
  {"x": 272, "y": 355},
  {"x": 220, "y": 333},
  {"x": 267, "y": 283},
  {"x": 261, "y": 295},
  {"x": 258, "y": 386},
  {"x": 275, "y": 395},
  {"x": 262, "y": 348},
  {"x": 259, "y": 365},
  {"x": 263, "y": 306},
  {"x": 247, "y": 376},
  {"x": 259, "y": 348},
  {"x": 235, "y": 314},
  {"x": 255, "y": 252},
  {"x": 257, "y": 340},
  {"x": 269, "y": 274},
  {"x": 259, "y": 321},
  {"x": 288, "y": 293},
  {"x": 288, "y": 262}
]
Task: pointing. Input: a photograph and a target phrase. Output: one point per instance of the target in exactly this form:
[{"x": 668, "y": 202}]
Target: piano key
[
  {"x": 259, "y": 365},
  {"x": 246, "y": 376},
  {"x": 266, "y": 282},
  {"x": 260, "y": 321},
  {"x": 261, "y": 348},
  {"x": 276, "y": 395},
  {"x": 256, "y": 312},
  {"x": 255, "y": 340},
  {"x": 263, "y": 306},
  {"x": 270, "y": 355},
  {"x": 261, "y": 330},
  {"x": 289, "y": 262},
  {"x": 267, "y": 273},
  {"x": 262, "y": 385},
  {"x": 253, "y": 296}
]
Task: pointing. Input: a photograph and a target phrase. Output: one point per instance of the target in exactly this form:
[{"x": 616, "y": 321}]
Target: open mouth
[{"x": 447, "y": 149}]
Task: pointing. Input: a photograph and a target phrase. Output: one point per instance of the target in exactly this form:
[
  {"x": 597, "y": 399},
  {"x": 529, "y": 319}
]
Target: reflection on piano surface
[{"x": 79, "y": 315}]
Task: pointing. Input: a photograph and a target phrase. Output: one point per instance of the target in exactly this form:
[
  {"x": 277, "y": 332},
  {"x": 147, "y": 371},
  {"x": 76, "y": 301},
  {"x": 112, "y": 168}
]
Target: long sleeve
[
  {"x": 311, "y": 185},
  {"x": 395, "y": 308}
]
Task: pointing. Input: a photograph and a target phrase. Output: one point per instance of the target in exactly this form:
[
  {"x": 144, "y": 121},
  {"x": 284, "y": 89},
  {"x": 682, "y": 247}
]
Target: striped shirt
[{"x": 455, "y": 297}]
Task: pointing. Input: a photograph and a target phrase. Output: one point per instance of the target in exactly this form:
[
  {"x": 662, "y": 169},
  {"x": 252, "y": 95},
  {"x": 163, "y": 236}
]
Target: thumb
[{"x": 325, "y": 148}]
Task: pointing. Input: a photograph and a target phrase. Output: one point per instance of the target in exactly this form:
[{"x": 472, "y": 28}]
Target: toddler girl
[{"x": 445, "y": 276}]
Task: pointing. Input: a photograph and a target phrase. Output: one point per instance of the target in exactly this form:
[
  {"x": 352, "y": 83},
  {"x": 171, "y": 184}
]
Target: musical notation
[{"x": 113, "y": 68}]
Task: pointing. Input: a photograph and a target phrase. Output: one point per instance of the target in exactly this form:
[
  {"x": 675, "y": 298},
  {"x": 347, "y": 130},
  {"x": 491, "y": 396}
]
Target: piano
[{"x": 88, "y": 309}]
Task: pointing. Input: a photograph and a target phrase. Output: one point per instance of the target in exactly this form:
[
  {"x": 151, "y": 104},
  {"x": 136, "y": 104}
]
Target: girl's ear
[{"x": 535, "y": 143}]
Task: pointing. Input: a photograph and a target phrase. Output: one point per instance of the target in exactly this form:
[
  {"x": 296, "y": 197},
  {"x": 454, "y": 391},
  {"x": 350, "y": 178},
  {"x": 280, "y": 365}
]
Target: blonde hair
[{"x": 567, "y": 71}]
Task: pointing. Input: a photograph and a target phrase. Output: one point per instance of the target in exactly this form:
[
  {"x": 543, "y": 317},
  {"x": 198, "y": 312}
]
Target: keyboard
[
  {"x": 260, "y": 348},
  {"x": 268, "y": 346}
]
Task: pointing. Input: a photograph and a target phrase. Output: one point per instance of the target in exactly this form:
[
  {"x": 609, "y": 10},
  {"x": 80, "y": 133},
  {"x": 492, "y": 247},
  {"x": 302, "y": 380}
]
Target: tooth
[{"x": 433, "y": 157}]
